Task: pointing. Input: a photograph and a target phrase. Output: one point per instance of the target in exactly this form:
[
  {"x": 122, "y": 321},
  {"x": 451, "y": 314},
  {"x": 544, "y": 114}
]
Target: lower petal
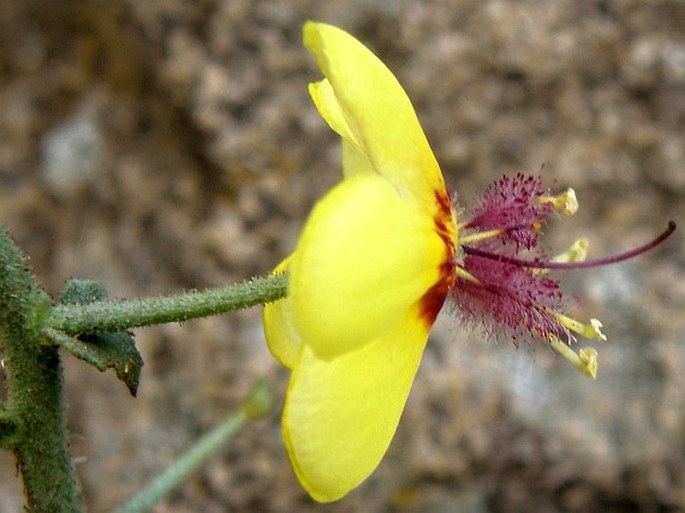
[
  {"x": 340, "y": 415},
  {"x": 281, "y": 337}
]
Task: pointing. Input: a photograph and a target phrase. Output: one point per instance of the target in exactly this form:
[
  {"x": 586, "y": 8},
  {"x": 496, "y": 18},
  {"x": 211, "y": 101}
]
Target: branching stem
[
  {"x": 33, "y": 328},
  {"x": 34, "y": 389}
]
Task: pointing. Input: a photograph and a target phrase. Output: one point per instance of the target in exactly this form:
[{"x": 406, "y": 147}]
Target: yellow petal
[
  {"x": 340, "y": 415},
  {"x": 354, "y": 158},
  {"x": 375, "y": 111},
  {"x": 281, "y": 337},
  {"x": 366, "y": 255},
  {"x": 328, "y": 106}
]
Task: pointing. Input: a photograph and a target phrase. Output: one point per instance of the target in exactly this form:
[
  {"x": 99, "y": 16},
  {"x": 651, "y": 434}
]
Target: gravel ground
[{"x": 162, "y": 145}]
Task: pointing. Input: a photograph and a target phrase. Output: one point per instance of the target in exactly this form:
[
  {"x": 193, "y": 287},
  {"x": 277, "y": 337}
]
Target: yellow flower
[{"x": 370, "y": 273}]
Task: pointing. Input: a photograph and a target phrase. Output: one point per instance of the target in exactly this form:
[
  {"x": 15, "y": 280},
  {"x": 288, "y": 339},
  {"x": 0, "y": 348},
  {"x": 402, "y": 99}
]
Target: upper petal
[
  {"x": 375, "y": 109},
  {"x": 340, "y": 415},
  {"x": 366, "y": 255},
  {"x": 355, "y": 160}
]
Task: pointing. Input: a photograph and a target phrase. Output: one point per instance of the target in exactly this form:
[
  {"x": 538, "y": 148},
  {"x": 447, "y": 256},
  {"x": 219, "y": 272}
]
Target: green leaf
[
  {"x": 108, "y": 350},
  {"x": 81, "y": 292},
  {"x": 105, "y": 351}
]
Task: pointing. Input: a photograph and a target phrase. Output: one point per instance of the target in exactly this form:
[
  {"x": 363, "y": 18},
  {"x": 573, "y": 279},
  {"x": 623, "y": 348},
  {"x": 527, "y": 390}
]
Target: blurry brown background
[{"x": 161, "y": 145}]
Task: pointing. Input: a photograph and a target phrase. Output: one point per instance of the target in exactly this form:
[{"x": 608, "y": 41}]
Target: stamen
[
  {"x": 538, "y": 264},
  {"x": 588, "y": 356},
  {"x": 592, "y": 330},
  {"x": 576, "y": 253},
  {"x": 585, "y": 360},
  {"x": 566, "y": 202},
  {"x": 475, "y": 237},
  {"x": 488, "y": 234},
  {"x": 465, "y": 275}
]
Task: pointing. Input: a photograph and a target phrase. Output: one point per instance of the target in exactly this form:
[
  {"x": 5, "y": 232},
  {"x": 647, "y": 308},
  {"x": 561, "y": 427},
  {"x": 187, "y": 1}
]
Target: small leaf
[
  {"x": 105, "y": 351},
  {"x": 109, "y": 350},
  {"x": 81, "y": 292}
]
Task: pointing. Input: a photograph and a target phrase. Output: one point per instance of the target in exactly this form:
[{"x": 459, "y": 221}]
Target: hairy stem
[
  {"x": 113, "y": 316},
  {"x": 34, "y": 388},
  {"x": 32, "y": 422}
]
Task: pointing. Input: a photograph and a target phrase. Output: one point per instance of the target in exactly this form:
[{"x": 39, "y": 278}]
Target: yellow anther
[
  {"x": 588, "y": 355},
  {"x": 566, "y": 202},
  {"x": 585, "y": 360},
  {"x": 576, "y": 253},
  {"x": 592, "y": 330}
]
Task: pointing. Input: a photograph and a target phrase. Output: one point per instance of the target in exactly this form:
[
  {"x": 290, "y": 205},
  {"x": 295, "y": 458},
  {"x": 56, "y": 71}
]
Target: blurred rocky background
[{"x": 161, "y": 145}]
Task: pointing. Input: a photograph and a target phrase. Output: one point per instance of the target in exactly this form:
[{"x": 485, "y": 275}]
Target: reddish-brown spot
[{"x": 433, "y": 299}]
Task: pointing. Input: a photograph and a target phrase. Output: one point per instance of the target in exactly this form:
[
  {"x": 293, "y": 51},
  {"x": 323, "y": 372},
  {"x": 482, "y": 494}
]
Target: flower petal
[
  {"x": 354, "y": 158},
  {"x": 328, "y": 106},
  {"x": 376, "y": 110},
  {"x": 340, "y": 415},
  {"x": 281, "y": 337},
  {"x": 365, "y": 257}
]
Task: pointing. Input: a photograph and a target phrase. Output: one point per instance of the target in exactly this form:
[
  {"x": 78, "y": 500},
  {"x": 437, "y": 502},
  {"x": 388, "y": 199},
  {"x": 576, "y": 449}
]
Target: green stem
[
  {"x": 257, "y": 404},
  {"x": 34, "y": 388},
  {"x": 176, "y": 473},
  {"x": 10, "y": 428},
  {"x": 113, "y": 316}
]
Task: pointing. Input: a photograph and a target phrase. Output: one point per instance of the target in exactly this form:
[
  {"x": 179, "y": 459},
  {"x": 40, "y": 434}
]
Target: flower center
[
  {"x": 445, "y": 226},
  {"x": 502, "y": 291}
]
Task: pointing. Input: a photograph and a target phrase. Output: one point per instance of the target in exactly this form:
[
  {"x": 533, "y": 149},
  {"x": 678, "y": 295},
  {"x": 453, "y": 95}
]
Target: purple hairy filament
[{"x": 503, "y": 292}]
